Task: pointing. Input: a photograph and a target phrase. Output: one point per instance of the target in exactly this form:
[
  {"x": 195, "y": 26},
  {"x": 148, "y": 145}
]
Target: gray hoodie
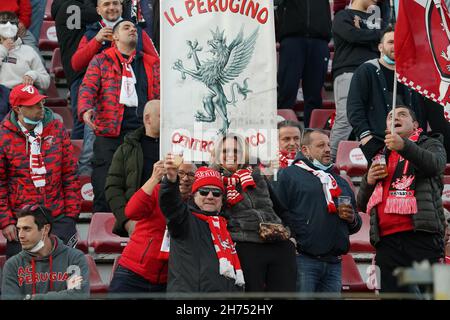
[{"x": 45, "y": 277}]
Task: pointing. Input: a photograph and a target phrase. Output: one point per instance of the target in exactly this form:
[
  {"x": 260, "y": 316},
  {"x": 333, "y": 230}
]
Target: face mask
[
  {"x": 8, "y": 30},
  {"x": 37, "y": 247},
  {"x": 111, "y": 24},
  {"x": 30, "y": 121},
  {"x": 321, "y": 166},
  {"x": 388, "y": 60}
]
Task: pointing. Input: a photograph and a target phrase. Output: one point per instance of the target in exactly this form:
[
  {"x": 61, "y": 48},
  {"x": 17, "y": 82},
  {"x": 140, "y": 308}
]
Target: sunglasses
[
  {"x": 205, "y": 191},
  {"x": 37, "y": 208}
]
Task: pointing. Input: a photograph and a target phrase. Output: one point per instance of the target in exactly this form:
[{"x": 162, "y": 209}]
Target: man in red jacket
[
  {"x": 117, "y": 85},
  {"x": 37, "y": 166}
]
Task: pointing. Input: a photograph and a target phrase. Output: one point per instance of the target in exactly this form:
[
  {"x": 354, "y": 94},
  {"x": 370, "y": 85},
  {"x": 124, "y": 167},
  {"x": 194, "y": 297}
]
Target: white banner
[{"x": 218, "y": 63}]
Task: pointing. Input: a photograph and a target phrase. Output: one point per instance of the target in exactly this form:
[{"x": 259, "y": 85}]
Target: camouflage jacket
[
  {"x": 61, "y": 193},
  {"x": 100, "y": 90}
]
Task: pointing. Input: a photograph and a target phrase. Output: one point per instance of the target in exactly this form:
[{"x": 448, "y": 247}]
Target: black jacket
[
  {"x": 369, "y": 101},
  {"x": 318, "y": 233},
  {"x": 353, "y": 46},
  {"x": 306, "y": 18},
  {"x": 428, "y": 158},
  {"x": 69, "y": 33},
  {"x": 193, "y": 263}
]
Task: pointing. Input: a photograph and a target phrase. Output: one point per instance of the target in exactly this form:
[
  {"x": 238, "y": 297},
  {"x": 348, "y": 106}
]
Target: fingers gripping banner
[{"x": 218, "y": 63}]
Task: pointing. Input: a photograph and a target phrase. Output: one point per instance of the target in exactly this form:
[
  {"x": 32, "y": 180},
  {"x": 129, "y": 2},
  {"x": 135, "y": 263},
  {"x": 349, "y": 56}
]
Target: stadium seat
[
  {"x": 95, "y": 281},
  {"x": 351, "y": 278},
  {"x": 48, "y": 10},
  {"x": 349, "y": 181},
  {"x": 87, "y": 193},
  {"x": 100, "y": 236},
  {"x": 53, "y": 99},
  {"x": 2, "y": 243},
  {"x": 56, "y": 67},
  {"x": 66, "y": 115},
  {"x": 48, "y": 40},
  {"x": 350, "y": 159},
  {"x": 287, "y": 114},
  {"x": 114, "y": 267},
  {"x": 319, "y": 118},
  {"x": 82, "y": 245},
  {"x": 360, "y": 241},
  {"x": 447, "y": 169},
  {"x": 446, "y": 193}
]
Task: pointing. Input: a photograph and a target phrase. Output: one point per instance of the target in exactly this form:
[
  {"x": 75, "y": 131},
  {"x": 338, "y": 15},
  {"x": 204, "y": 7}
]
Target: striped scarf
[
  {"x": 242, "y": 177},
  {"x": 229, "y": 264},
  {"x": 37, "y": 165}
]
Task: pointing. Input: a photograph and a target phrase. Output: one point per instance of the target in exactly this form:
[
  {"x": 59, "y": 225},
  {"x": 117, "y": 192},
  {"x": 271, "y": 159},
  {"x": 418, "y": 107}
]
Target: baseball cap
[{"x": 25, "y": 95}]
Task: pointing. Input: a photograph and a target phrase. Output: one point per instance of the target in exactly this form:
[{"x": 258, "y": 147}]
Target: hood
[
  {"x": 134, "y": 137},
  {"x": 374, "y": 62},
  {"x": 301, "y": 157}
]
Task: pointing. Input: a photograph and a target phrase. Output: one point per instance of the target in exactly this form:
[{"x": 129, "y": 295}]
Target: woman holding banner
[{"x": 256, "y": 220}]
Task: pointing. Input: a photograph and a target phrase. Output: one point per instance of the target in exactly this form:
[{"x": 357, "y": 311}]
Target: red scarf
[
  {"x": 329, "y": 185},
  {"x": 401, "y": 199},
  {"x": 229, "y": 264},
  {"x": 284, "y": 156},
  {"x": 242, "y": 177}
]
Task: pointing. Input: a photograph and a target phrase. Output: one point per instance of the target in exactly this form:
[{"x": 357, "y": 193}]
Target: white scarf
[
  {"x": 128, "y": 94},
  {"x": 37, "y": 165},
  {"x": 330, "y": 187}
]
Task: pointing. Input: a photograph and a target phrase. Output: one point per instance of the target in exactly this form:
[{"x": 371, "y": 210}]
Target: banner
[
  {"x": 218, "y": 76},
  {"x": 422, "y": 48}
]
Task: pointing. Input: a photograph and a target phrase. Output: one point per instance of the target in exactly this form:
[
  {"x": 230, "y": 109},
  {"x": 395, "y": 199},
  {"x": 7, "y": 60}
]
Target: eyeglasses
[
  {"x": 205, "y": 191},
  {"x": 37, "y": 208},
  {"x": 183, "y": 174}
]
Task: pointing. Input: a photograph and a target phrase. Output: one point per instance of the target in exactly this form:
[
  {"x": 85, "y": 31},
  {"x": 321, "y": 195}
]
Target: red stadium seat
[
  {"x": 48, "y": 40},
  {"x": 349, "y": 181},
  {"x": 48, "y": 10},
  {"x": 66, "y": 115},
  {"x": 319, "y": 118},
  {"x": 95, "y": 281},
  {"x": 360, "y": 241},
  {"x": 56, "y": 67},
  {"x": 53, "y": 99},
  {"x": 87, "y": 193},
  {"x": 350, "y": 159},
  {"x": 82, "y": 245},
  {"x": 100, "y": 236},
  {"x": 447, "y": 169},
  {"x": 351, "y": 278},
  {"x": 446, "y": 193},
  {"x": 287, "y": 114},
  {"x": 2, "y": 243},
  {"x": 114, "y": 267},
  {"x": 77, "y": 147}
]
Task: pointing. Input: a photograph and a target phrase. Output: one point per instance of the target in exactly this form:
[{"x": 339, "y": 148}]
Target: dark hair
[
  {"x": 290, "y": 123},
  {"x": 42, "y": 215},
  {"x": 116, "y": 26},
  {"x": 9, "y": 16},
  {"x": 411, "y": 111},
  {"x": 389, "y": 28},
  {"x": 306, "y": 137}
]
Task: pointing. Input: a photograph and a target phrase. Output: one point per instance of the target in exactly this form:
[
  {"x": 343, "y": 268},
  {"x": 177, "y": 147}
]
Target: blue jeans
[
  {"x": 125, "y": 280},
  {"x": 317, "y": 276},
  {"x": 37, "y": 17},
  {"x": 87, "y": 154},
  {"x": 78, "y": 126}
]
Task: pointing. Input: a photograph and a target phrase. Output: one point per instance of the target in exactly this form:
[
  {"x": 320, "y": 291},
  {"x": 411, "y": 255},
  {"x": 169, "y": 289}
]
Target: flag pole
[{"x": 394, "y": 102}]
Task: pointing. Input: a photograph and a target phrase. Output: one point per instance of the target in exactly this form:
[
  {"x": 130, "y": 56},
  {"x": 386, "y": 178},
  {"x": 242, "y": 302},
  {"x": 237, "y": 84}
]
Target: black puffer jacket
[
  {"x": 193, "y": 263},
  {"x": 307, "y": 18},
  {"x": 428, "y": 158}
]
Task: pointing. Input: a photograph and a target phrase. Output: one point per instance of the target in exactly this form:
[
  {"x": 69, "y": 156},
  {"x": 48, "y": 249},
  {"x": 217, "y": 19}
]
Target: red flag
[{"x": 422, "y": 48}]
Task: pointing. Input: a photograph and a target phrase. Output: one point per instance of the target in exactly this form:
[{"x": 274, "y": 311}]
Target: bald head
[{"x": 151, "y": 118}]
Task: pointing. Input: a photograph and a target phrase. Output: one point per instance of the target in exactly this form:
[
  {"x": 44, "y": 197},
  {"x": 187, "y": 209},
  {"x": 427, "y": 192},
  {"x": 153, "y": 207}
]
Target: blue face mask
[
  {"x": 321, "y": 166},
  {"x": 30, "y": 121},
  {"x": 388, "y": 60}
]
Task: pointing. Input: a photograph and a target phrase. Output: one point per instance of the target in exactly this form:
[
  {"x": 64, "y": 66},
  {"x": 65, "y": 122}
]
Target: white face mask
[
  {"x": 8, "y": 30},
  {"x": 38, "y": 246}
]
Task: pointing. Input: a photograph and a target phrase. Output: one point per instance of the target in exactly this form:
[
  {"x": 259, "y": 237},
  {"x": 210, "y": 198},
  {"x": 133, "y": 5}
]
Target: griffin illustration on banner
[{"x": 226, "y": 64}]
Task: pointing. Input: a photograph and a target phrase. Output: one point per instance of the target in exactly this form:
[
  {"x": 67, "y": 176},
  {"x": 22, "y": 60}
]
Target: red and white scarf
[
  {"x": 242, "y": 177},
  {"x": 37, "y": 165},
  {"x": 128, "y": 94},
  {"x": 229, "y": 264},
  {"x": 329, "y": 185},
  {"x": 285, "y": 158},
  {"x": 401, "y": 198}
]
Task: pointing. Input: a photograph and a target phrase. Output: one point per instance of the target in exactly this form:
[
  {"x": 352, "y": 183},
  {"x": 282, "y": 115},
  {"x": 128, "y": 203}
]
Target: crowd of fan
[{"x": 233, "y": 224}]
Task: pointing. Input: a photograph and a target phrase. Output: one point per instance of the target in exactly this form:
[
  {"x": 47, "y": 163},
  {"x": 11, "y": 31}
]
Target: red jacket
[
  {"x": 61, "y": 193},
  {"x": 22, "y": 8},
  {"x": 100, "y": 90},
  {"x": 141, "y": 253},
  {"x": 87, "y": 49}
]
